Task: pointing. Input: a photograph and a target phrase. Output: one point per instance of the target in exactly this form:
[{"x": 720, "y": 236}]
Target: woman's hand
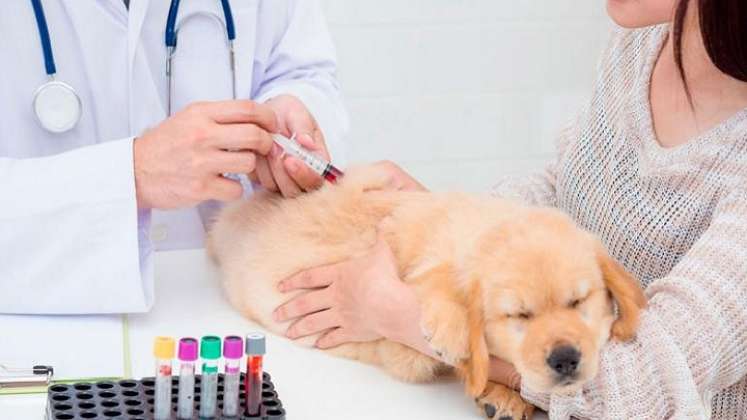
[
  {"x": 287, "y": 174},
  {"x": 399, "y": 180},
  {"x": 356, "y": 300},
  {"x": 504, "y": 373}
]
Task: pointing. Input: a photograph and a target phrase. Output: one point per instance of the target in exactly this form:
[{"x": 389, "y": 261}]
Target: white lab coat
[{"x": 71, "y": 237}]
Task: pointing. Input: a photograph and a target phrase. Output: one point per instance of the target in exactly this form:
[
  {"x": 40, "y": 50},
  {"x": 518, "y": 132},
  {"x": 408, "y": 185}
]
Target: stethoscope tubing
[
  {"x": 46, "y": 42},
  {"x": 171, "y": 36}
]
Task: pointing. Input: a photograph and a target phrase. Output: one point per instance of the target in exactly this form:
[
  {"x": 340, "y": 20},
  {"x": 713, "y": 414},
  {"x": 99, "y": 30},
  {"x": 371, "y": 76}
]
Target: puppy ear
[
  {"x": 475, "y": 369},
  {"x": 626, "y": 291}
]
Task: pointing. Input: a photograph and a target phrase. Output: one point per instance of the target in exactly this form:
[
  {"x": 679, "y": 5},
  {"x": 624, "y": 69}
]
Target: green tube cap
[{"x": 210, "y": 347}]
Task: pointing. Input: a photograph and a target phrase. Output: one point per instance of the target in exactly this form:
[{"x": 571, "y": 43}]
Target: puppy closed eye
[
  {"x": 524, "y": 316},
  {"x": 575, "y": 303}
]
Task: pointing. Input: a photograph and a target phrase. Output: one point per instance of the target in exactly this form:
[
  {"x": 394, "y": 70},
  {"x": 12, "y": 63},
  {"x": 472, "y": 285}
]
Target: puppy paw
[
  {"x": 499, "y": 402},
  {"x": 444, "y": 325}
]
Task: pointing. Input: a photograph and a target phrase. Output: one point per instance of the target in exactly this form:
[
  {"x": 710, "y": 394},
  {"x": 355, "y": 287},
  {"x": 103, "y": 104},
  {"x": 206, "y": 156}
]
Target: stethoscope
[
  {"x": 58, "y": 107},
  {"x": 172, "y": 33}
]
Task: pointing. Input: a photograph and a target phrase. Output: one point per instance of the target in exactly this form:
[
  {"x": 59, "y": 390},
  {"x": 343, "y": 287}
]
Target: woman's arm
[{"x": 692, "y": 341}]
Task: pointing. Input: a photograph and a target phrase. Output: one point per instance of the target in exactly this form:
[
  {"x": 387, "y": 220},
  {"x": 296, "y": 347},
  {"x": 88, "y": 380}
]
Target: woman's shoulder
[{"x": 632, "y": 50}]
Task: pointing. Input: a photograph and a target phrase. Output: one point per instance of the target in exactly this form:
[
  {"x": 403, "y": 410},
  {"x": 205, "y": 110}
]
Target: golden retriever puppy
[{"x": 494, "y": 278}]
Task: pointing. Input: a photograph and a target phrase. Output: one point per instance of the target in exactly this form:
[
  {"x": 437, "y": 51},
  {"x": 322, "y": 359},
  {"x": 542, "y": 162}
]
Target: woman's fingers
[
  {"x": 333, "y": 338},
  {"x": 312, "y": 278},
  {"x": 504, "y": 373},
  {"x": 302, "y": 305},
  {"x": 313, "y": 324}
]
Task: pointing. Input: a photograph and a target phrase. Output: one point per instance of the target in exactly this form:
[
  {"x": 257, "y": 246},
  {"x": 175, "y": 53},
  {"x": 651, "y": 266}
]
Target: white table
[{"x": 311, "y": 384}]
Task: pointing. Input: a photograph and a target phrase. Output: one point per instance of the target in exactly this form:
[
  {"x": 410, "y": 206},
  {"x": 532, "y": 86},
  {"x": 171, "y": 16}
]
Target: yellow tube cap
[{"x": 164, "y": 348}]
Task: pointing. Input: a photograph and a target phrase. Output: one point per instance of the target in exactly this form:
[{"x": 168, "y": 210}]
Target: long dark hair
[{"x": 723, "y": 26}]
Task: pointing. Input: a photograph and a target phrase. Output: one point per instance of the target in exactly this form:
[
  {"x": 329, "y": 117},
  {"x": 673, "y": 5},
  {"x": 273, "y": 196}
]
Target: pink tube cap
[
  {"x": 233, "y": 347},
  {"x": 188, "y": 349}
]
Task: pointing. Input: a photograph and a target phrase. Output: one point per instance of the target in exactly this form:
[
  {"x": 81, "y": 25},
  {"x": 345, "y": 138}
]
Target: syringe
[{"x": 320, "y": 166}]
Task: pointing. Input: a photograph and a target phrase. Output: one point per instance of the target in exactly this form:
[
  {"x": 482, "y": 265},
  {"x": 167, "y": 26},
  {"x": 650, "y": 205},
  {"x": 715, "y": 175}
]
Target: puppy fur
[{"x": 493, "y": 277}]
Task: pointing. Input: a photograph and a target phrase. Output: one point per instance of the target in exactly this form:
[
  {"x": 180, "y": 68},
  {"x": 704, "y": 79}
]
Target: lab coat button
[{"x": 159, "y": 233}]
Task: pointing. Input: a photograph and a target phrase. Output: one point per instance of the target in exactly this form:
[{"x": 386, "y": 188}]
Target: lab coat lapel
[
  {"x": 102, "y": 65},
  {"x": 245, "y": 17},
  {"x": 138, "y": 10},
  {"x": 145, "y": 106}
]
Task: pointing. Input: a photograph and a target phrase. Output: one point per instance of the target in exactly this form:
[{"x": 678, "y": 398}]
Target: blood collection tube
[
  {"x": 210, "y": 353},
  {"x": 163, "y": 350},
  {"x": 233, "y": 351},
  {"x": 187, "y": 358},
  {"x": 255, "y": 350},
  {"x": 323, "y": 168}
]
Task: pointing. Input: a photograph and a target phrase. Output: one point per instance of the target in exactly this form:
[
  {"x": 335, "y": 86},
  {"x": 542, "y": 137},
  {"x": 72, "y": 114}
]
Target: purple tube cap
[
  {"x": 188, "y": 349},
  {"x": 233, "y": 347}
]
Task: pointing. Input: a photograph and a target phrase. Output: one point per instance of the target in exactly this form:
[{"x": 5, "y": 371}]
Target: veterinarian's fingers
[
  {"x": 302, "y": 174},
  {"x": 312, "y": 278},
  {"x": 286, "y": 184},
  {"x": 222, "y": 189},
  {"x": 304, "y": 304},
  {"x": 264, "y": 174},
  {"x": 333, "y": 338},
  {"x": 313, "y": 324}
]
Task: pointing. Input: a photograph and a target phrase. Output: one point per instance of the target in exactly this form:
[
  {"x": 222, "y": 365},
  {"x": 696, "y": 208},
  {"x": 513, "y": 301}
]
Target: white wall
[{"x": 478, "y": 87}]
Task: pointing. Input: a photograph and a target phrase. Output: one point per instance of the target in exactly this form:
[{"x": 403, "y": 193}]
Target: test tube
[
  {"x": 210, "y": 353},
  {"x": 255, "y": 350},
  {"x": 163, "y": 350},
  {"x": 187, "y": 357},
  {"x": 233, "y": 351}
]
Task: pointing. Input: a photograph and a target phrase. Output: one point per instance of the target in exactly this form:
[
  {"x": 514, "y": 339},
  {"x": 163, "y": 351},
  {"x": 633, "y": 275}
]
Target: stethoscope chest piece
[{"x": 57, "y": 107}]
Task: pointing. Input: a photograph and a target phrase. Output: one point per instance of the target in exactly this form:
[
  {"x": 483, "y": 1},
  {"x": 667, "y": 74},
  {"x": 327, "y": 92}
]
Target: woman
[{"x": 656, "y": 166}]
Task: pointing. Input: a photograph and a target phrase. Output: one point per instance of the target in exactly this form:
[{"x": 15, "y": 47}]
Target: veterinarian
[
  {"x": 656, "y": 166},
  {"x": 105, "y": 158}
]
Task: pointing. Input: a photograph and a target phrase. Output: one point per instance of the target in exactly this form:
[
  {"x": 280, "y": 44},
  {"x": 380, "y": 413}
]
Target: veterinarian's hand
[
  {"x": 287, "y": 174},
  {"x": 180, "y": 162},
  {"x": 356, "y": 300},
  {"x": 504, "y": 373}
]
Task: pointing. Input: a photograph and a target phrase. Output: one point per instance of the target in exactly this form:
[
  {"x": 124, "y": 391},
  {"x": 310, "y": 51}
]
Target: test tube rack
[{"x": 133, "y": 400}]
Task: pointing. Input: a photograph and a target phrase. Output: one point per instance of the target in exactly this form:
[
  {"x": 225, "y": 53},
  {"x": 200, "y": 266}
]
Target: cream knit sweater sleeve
[{"x": 692, "y": 341}]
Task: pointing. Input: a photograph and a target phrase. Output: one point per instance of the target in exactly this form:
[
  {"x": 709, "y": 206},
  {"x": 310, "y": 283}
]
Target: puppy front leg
[{"x": 443, "y": 318}]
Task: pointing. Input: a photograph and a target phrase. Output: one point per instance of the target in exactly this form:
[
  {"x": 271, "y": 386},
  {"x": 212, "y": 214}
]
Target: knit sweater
[{"x": 676, "y": 218}]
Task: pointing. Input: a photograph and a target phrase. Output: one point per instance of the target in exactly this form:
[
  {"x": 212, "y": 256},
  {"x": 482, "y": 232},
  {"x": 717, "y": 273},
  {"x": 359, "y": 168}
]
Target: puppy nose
[{"x": 564, "y": 360}]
